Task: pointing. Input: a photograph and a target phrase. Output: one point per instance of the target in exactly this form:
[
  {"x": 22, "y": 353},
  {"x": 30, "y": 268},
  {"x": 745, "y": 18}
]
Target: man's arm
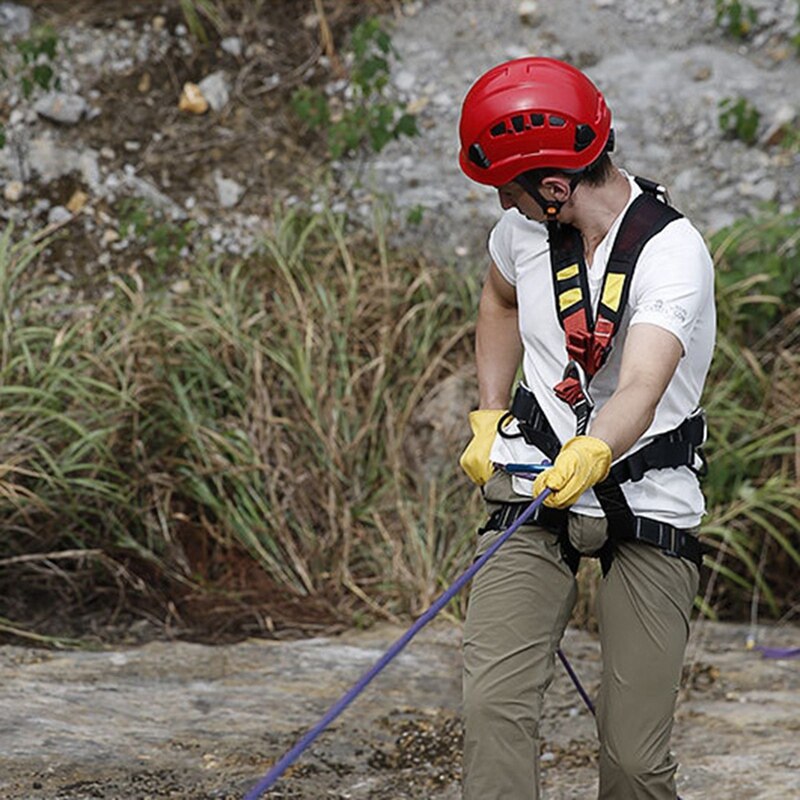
[
  {"x": 649, "y": 360},
  {"x": 498, "y": 348},
  {"x": 497, "y": 352}
]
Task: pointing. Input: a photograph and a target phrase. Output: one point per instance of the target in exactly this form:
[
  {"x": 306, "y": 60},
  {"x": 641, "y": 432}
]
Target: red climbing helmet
[{"x": 531, "y": 113}]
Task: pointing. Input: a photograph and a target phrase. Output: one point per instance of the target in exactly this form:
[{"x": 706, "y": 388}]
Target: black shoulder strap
[
  {"x": 645, "y": 217},
  {"x": 589, "y": 341}
]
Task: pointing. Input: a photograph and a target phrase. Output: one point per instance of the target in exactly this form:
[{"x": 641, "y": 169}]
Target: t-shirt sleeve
[
  {"x": 673, "y": 285},
  {"x": 501, "y": 247}
]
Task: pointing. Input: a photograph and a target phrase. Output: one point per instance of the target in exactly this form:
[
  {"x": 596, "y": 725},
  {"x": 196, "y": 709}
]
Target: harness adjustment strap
[
  {"x": 673, "y": 541},
  {"x": 533, "y": 424},
  {"x": 681, "y": 447},
  {"x": 553, "y": 519}
]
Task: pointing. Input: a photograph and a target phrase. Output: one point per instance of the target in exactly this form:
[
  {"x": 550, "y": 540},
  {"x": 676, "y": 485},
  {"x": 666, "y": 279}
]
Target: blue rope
[{"x": 337, "y": 708}]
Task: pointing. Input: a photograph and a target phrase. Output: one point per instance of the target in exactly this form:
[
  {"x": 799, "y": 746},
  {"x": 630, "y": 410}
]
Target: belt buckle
[{"x": 672, "y": 550}]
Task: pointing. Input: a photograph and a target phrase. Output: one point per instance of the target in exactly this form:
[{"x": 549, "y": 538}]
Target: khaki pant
[{"x": 519, "y": 605}]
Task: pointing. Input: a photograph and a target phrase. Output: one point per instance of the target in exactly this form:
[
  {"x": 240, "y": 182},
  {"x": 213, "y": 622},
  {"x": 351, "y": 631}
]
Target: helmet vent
[
  {"x": 478, "y": 157},
  {"x": 557, "y": 122},
  {"x": 499, "y": 129},
  {"x": 584, "y": 136},
  {"x": 537, "y": 120}
]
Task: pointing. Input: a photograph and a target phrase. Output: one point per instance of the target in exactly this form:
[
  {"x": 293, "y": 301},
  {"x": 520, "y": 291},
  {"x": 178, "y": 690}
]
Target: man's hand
[
  {"x": 582, "y": 462},
  {"x": 475, "y": 459}
]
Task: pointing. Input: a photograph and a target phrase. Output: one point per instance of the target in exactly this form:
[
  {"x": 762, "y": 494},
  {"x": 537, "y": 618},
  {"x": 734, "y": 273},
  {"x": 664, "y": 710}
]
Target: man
[{"x": 610, "y": 310}]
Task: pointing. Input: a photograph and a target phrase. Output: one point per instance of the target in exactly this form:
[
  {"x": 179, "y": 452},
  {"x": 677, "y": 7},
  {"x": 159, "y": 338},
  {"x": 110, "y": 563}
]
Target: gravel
[{"x": 663, "y": 67}]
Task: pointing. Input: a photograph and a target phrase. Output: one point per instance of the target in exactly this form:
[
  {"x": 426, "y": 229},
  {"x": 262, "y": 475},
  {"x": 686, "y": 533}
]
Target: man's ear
[{"x": 556, "y": 187}]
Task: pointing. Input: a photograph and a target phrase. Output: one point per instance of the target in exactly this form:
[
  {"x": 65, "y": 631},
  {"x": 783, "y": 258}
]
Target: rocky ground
[
  {"x": 663, "y": 65},
  {"x": 190, "y": 721},
  {"x": 134, "y": 182}
]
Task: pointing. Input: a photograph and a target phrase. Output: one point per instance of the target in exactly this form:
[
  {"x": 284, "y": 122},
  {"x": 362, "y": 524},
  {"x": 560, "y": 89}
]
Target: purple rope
[
  {"x": 779, "y": 652},
  {"x": 576, "y": 681},
  {"x": 337, "y": 708}
]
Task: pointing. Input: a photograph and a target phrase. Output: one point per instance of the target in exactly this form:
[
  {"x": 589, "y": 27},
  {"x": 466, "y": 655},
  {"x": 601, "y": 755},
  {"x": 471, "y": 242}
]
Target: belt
[
  {"x": 667, "y": 538},
  {"x": 553, "y": 519}
]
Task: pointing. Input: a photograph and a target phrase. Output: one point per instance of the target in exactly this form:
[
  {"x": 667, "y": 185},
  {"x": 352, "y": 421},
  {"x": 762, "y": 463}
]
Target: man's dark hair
[{"x": 596, "y": 174}]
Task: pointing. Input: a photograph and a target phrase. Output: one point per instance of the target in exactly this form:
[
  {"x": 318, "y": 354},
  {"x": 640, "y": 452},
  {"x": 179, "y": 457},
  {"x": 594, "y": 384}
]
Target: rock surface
[{"x": 172, "y": 719}]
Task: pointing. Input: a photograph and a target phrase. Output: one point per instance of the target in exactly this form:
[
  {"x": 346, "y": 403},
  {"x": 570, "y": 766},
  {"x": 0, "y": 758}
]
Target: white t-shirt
[{"x": 672, "y": 287}]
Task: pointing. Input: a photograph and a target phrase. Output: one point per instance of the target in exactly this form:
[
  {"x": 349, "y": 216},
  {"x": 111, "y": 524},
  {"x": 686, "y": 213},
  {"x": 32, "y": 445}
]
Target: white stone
[
  {"x": 232, "y": 45},
  {"x": 66, "y": 109},
  {"x": 13, "y": 191},
  {"x": 215, "y": 89},
  {"x": 405, "y": 80},
  {"x": 15, "y": 20},
  {"x": 229, "y": 192},
  {"x": 58, "y": 214},
  {"x": 529, "y": 12}
]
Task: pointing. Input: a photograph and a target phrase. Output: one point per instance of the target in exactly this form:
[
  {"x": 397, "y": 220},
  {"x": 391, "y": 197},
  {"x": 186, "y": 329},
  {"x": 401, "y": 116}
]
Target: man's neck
[{"x": 596, "y": 207}]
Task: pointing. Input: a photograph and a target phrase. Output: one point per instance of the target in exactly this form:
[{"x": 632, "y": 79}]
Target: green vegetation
[
  {"x": 38, "y": 52},
  {"x": 796, "y": 36},
  {"x": 737, "y": 18},
  {"x": 365, "y": 113},
  {"x": 262, "y": 418},
  {"x": 163, "y": 239},
  {"x": 753, "y": 486},
  {"x": 194, "y": 11},
  {"x": 739, "y": 119}
]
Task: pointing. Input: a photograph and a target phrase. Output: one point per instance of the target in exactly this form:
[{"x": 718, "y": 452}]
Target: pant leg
[
  {"x": 519, "y": 605},
  {"x": 644, "y": 604}
]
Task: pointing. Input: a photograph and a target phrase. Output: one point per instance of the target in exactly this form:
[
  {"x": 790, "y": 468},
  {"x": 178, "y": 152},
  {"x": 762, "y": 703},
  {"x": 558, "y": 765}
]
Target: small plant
[
  {"x": 415, "y": 214},
  {"x": 736, "y": 18},
  {"x": 193, "y": 10},
  {"x": 163, "y": 239},
  {"x": 38, "y": 53},
  {"x": 365, "y": 114},
  {"x": 790, "y": 140},
  {"x": 739, "y": 119}
]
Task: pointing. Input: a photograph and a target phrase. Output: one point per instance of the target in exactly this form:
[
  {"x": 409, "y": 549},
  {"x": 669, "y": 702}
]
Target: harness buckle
[{"x": 574, "y": 390}]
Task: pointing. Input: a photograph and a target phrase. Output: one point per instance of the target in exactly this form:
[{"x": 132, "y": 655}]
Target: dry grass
[{"x": 277, "y": 446}]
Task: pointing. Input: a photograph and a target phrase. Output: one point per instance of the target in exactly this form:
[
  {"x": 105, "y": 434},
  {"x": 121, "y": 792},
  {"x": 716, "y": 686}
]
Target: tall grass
[
  {"x": 283, "y": 436},
  {"x": 264, "y": 415},
  {"x": 753, "y": 486}
]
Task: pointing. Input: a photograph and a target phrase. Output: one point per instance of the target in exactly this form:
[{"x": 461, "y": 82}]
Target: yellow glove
[
  {"x": 582, "y": 462},
  {"x": 475, "y": 459}
]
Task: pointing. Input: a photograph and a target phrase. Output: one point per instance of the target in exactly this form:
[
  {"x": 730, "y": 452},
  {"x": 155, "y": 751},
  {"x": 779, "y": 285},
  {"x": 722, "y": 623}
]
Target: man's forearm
[
  {"x": 649, "y": 361},
  {"x": 621, "y": 422}
]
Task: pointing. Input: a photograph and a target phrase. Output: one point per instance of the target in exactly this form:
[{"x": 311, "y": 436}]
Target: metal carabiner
[{"x": 583, "y": 404}]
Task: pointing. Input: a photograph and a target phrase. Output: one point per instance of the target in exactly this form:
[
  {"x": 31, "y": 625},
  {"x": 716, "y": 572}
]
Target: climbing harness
[
  {"x": 589, "y": 340},
  {"x": 348, "y": 697},
  {"x": 679, "y": 445}
]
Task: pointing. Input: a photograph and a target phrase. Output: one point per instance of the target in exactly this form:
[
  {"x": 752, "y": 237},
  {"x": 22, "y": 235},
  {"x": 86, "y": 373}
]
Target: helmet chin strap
[{"x": 550, "y": 208}]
